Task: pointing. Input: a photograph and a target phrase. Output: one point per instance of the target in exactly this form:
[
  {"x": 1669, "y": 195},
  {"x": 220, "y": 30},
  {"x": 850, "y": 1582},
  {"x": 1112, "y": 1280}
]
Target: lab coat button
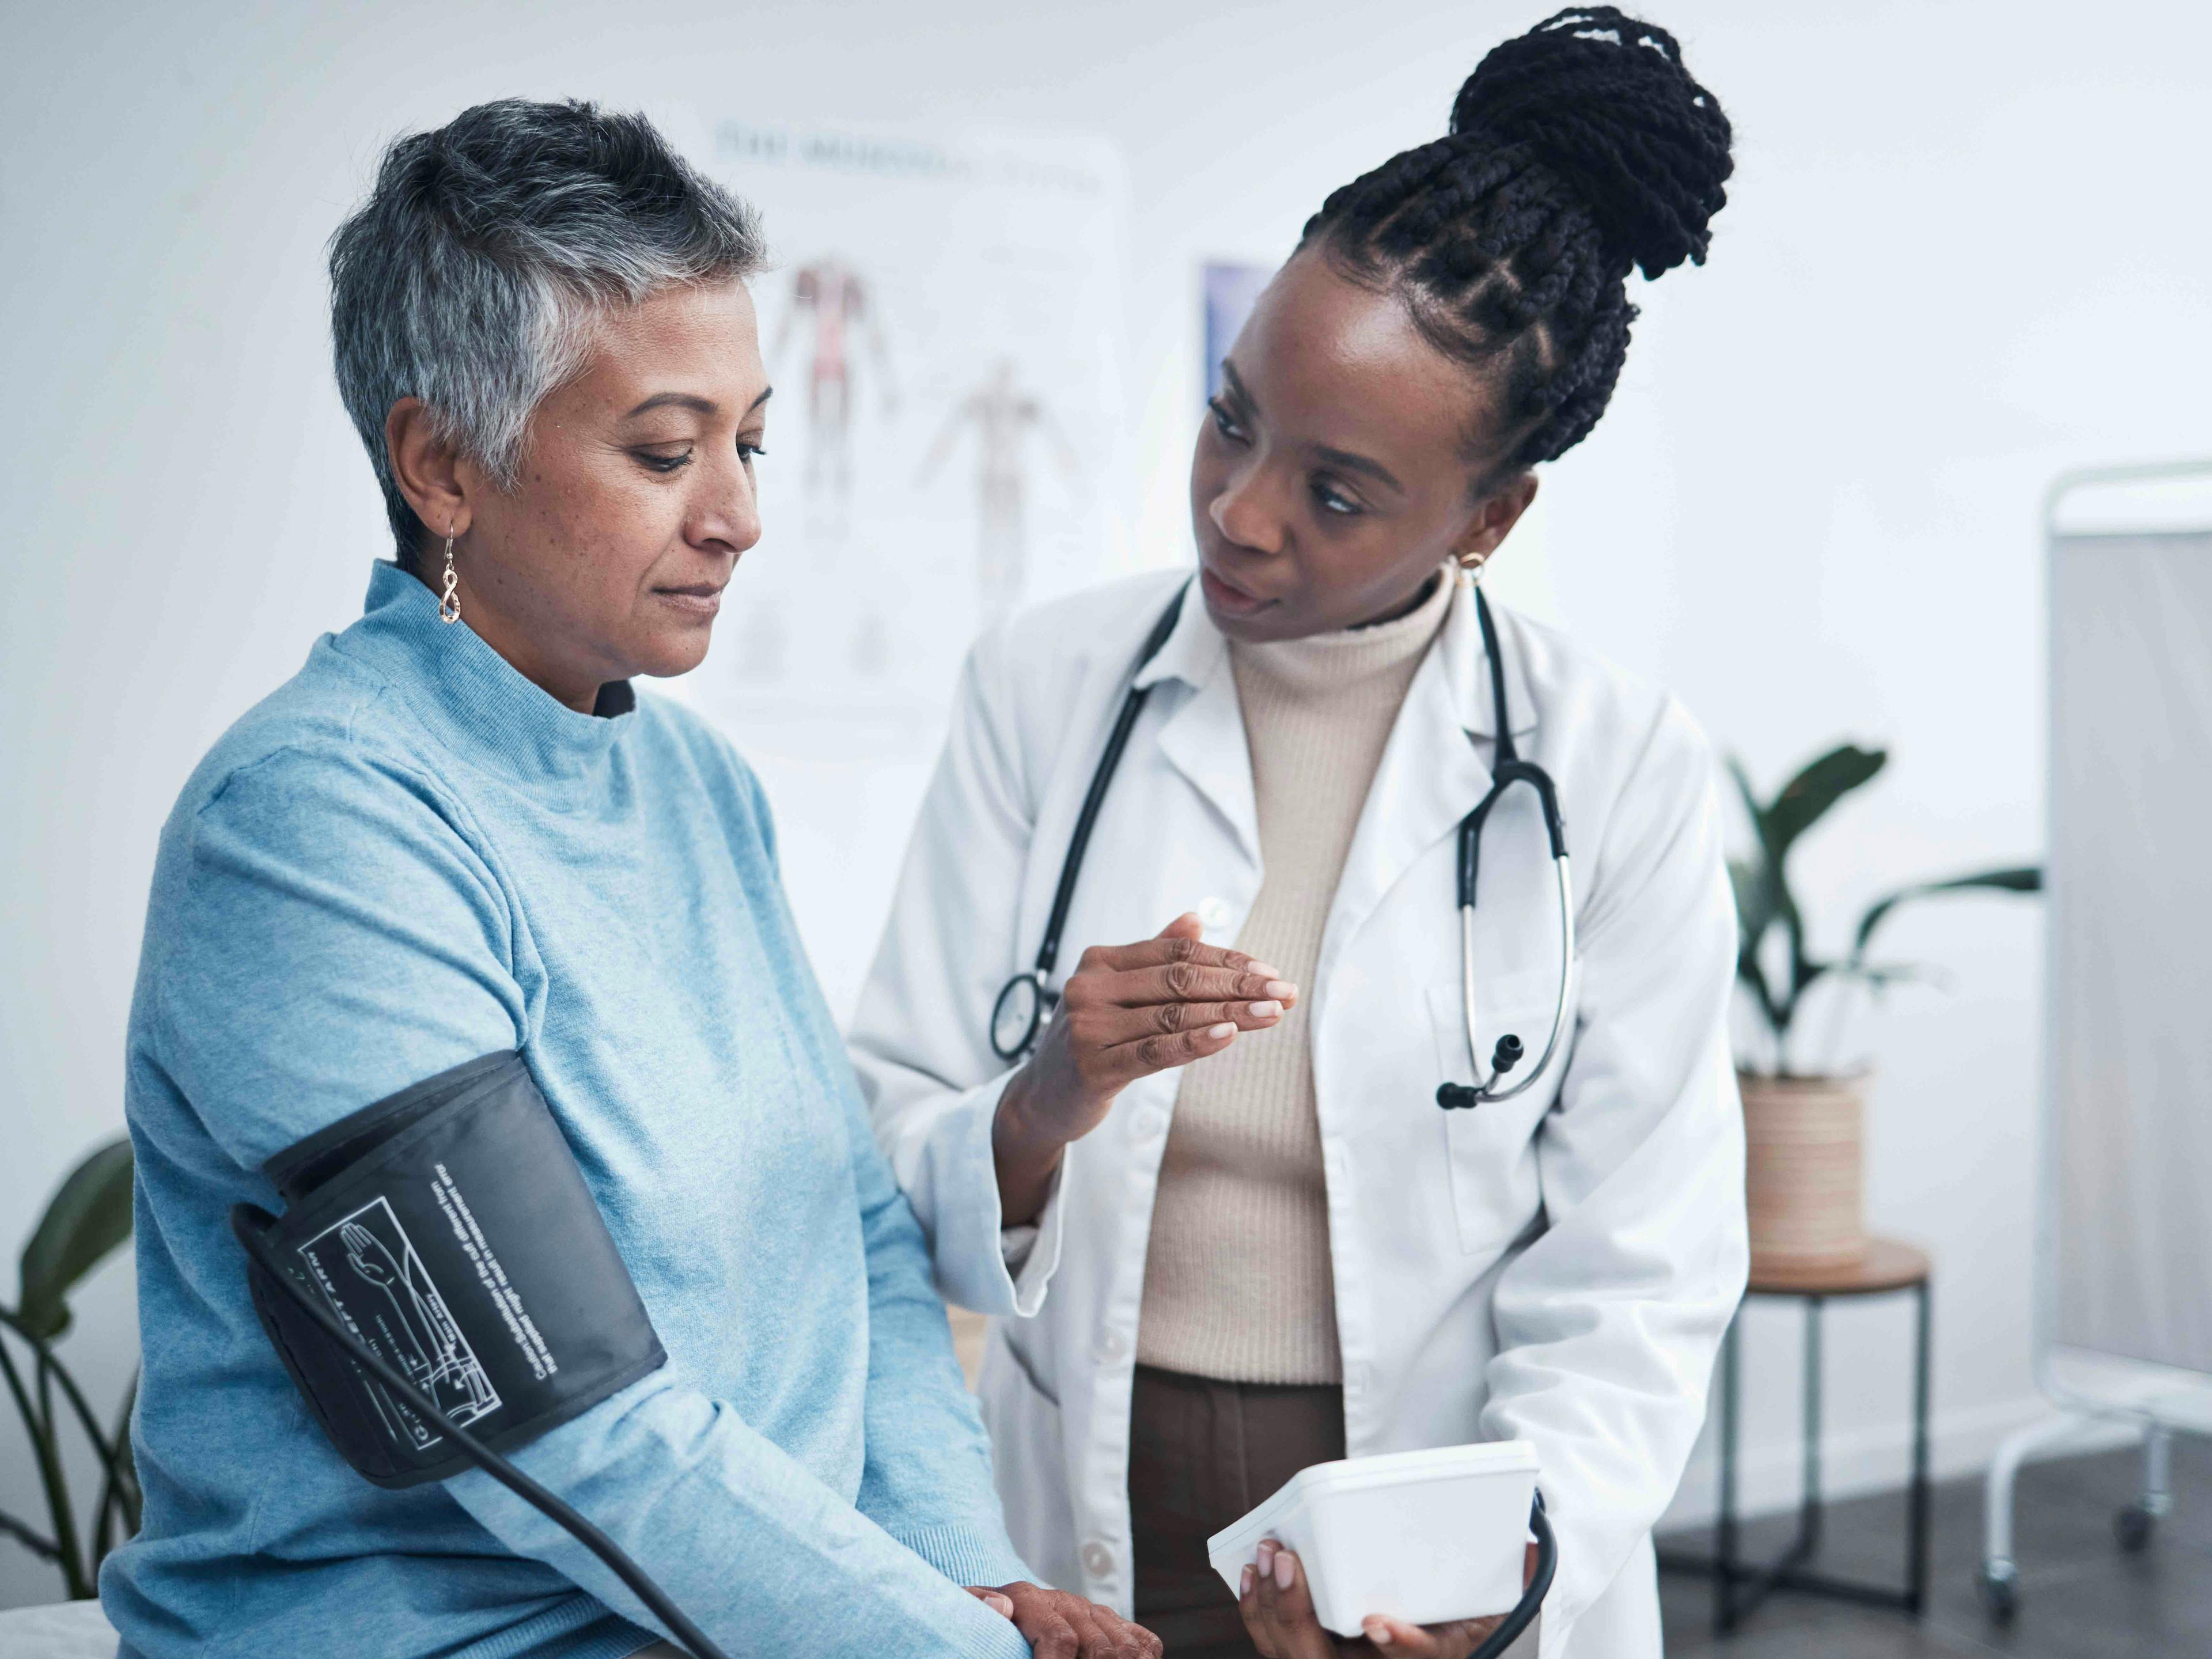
[
  {"x": 1110, "y": 1347},
  {"x": 1214, "y": 913},
  {"x": 1097, "y": 1559}
]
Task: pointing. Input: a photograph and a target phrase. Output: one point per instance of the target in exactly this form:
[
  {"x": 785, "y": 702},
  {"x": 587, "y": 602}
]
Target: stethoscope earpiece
[{"x": 1462, "y": 1097}]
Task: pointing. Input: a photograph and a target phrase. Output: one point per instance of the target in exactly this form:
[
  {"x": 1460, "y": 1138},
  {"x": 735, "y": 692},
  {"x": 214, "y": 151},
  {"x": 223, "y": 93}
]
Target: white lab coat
[{"x": 1559, "y": 1266}]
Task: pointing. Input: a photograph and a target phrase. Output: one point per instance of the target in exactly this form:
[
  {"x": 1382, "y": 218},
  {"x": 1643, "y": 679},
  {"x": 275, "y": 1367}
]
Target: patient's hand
[
  {"x": 1278, "y": 1615},
  {"x": 1126, "y": 1012},
  {"x": 1059, "y": 1626}
]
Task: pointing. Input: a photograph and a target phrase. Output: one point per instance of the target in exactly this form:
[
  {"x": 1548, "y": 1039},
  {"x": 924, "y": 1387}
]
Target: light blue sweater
[{"x": 408, "y": 856}]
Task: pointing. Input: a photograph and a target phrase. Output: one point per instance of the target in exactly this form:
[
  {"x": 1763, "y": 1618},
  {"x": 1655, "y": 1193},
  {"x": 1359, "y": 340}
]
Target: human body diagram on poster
[{"x": 943, "y": 324}]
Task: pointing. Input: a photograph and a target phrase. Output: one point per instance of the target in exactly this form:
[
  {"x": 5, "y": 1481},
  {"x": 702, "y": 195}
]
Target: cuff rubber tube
[{"x": 1532, "y": 1599}]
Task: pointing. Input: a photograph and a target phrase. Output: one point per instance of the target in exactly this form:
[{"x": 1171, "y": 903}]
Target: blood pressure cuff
[{"x": 449, "y": 1228}]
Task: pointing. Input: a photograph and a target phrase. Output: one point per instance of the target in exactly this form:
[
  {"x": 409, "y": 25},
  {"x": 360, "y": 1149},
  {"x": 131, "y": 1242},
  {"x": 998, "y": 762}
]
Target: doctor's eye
[
  {"x": 1224, "y": 421},
  {"x": 1332, "y": 501},
  {"x": 750, "y": 452}
]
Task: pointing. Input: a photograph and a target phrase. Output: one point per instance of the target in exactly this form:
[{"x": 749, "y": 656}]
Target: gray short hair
[{"x": 472, "y": 276}]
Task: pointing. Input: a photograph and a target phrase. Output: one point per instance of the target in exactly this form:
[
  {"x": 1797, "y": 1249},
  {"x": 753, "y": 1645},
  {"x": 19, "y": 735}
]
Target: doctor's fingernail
[
  {"x": 1281, "y": 989},
  {"x": 1377, "y": 1631},
  {"x": 1263, "y": 1010},
  {"x": 1266, "y": 1562},
  {"x": 1284, "y": 1566},
  {"x": 1265, "y": 969},
  {"x": 1227, "y": 1029},
  {"x": 1245, "y": 1586}
]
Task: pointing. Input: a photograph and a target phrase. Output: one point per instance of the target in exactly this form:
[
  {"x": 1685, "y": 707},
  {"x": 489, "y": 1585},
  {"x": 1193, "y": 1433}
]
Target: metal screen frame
[{"x": 2161, "y": 1406}]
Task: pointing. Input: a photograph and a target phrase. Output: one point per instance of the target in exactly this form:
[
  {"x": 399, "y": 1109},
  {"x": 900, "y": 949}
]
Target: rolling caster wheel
[
  {"x": 2133, "y": 1526},
  {"x": 1999, "y": 1595}
]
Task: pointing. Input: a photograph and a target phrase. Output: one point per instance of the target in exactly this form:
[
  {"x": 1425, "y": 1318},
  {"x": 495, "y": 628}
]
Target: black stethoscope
[{"x": 1026, "y": 1002}]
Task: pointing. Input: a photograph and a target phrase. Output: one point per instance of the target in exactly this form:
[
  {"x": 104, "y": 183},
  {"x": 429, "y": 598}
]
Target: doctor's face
[{"x": 1333, "y": 474}]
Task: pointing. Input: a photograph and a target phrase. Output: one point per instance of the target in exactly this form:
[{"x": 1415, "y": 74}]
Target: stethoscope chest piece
[
  {"x": 1025, "y": 1003},
  {"x": 1020, "y": 1012}
]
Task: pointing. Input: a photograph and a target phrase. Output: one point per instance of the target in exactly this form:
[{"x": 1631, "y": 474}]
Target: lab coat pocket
[{"x": 1489, "y": 1149}]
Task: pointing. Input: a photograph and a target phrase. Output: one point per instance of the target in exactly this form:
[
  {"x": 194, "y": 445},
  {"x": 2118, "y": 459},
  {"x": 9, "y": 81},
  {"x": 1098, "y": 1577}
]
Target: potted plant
[
  {"x": 1804, "y": 1128},
  {"x": 88, "y": 1220}
]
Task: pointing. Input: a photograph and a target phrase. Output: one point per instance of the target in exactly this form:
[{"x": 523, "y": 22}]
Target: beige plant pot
[{"x": 1805, "y": 1174}]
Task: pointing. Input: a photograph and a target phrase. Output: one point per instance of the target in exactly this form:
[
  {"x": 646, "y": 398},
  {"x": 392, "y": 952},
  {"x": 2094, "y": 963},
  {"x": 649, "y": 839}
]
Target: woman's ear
[
  {"x": 1494, "y": 516},
  {"x": 428, "y": 470}
]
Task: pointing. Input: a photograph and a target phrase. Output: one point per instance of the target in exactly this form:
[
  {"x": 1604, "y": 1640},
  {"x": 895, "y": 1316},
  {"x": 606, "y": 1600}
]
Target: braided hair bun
[
  {"x": 1603, "y": 101},
  {"x": 1577, "y": 152}
]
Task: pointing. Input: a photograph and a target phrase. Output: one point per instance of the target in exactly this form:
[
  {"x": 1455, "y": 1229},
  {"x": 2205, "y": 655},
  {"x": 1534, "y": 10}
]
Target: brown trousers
[{"x": 1201, "y": 1452}]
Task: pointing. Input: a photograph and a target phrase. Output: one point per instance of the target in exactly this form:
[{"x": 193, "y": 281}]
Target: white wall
[{"x": 1966, "y": 248}]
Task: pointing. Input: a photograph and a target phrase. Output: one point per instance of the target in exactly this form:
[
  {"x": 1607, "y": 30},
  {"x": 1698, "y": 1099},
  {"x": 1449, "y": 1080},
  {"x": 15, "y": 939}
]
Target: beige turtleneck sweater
[{"x": 1237, "y": 1283}]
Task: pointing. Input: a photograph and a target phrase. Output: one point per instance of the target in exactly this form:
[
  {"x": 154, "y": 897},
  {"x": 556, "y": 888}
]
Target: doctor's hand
[
  {"x": 1126, "y": 1012},
  {"x": 1059, "y": 1626},
  {"x": 1280, "y": 1616}
]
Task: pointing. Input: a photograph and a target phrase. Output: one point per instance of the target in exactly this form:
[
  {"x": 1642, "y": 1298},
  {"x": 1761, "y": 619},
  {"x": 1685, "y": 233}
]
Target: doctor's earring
[
  {"x": 449, "y": 602},
  {"x": 1470, "y": 569}
]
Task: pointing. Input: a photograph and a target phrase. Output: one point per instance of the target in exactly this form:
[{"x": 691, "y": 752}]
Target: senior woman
[{"x": 459, "y": 835}]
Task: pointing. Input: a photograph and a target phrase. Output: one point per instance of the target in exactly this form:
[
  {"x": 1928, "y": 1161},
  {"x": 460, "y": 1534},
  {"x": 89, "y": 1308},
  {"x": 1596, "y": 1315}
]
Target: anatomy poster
[
  {"x": 948, "y": 441},
  {"x": 942, "y": 327}
]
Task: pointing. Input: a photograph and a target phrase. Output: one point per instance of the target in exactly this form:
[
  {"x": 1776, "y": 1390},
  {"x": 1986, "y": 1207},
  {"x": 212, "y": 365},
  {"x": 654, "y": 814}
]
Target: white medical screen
[{"x": 2131, "y": 930}]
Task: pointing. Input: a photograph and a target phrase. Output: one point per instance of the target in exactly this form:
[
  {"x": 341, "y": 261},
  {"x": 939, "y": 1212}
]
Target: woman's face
[
  {"x": 1333, "y": 477},
  {"x": 608, "y": 557}
]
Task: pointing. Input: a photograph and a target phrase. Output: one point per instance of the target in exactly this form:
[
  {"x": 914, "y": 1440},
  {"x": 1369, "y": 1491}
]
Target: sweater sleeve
[
  {"x": 340, "y": 939},
  {"x": 926, "y": 1478}
]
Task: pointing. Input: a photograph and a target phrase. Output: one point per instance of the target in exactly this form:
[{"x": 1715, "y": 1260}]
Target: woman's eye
[
  {"x": 750, "y": 452},
  {"x": 653, "y": 462},
  {"x": 1224, "y": 421},
  {"x": 1330, "y": 499}
]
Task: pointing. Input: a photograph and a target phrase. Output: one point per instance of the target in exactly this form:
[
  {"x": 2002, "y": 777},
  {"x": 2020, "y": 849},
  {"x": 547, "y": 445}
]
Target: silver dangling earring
[{"x": 449, "y": 602}]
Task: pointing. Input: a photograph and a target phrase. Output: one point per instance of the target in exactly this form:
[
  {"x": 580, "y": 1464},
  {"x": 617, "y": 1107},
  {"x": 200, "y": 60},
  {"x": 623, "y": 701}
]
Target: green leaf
[
  {"x": 1744, "y": 788},
  {"x": 1754, "y": 912},
  {"x": 2024, "y": 878},
  {"x": 90, "y": 1217},
  {"x": 1880, "y": 975},
  {"x": 1757, "y": 889},
  {"x": 1754, "y": 980},
  {"x": 1807, "y": 797}
]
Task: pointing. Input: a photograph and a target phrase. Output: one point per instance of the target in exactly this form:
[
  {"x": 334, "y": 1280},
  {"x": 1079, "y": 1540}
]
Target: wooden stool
[{"x": 1739, "y": 1586}]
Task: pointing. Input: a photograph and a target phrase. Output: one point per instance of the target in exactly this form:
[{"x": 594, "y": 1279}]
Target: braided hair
[{"x": 1576, "y": 151}]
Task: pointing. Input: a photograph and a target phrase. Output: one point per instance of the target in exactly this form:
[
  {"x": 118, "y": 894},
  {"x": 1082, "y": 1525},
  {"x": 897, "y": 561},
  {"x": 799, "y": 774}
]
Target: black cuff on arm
[{"x": 450, "y": 1229}]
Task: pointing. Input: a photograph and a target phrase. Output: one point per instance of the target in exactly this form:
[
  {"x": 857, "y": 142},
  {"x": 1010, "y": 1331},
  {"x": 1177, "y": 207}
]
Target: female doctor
[{"x": 1211, "y": 1194}]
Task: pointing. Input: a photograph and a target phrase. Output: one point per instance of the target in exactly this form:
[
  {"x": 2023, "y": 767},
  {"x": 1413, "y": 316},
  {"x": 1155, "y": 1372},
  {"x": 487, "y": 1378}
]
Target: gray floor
[{"x": 2080, "y": 1597}]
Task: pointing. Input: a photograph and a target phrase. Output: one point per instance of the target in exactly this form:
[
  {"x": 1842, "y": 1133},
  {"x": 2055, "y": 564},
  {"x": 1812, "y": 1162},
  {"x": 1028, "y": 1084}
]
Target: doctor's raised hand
[{"x": 1126, "y": 1012}]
